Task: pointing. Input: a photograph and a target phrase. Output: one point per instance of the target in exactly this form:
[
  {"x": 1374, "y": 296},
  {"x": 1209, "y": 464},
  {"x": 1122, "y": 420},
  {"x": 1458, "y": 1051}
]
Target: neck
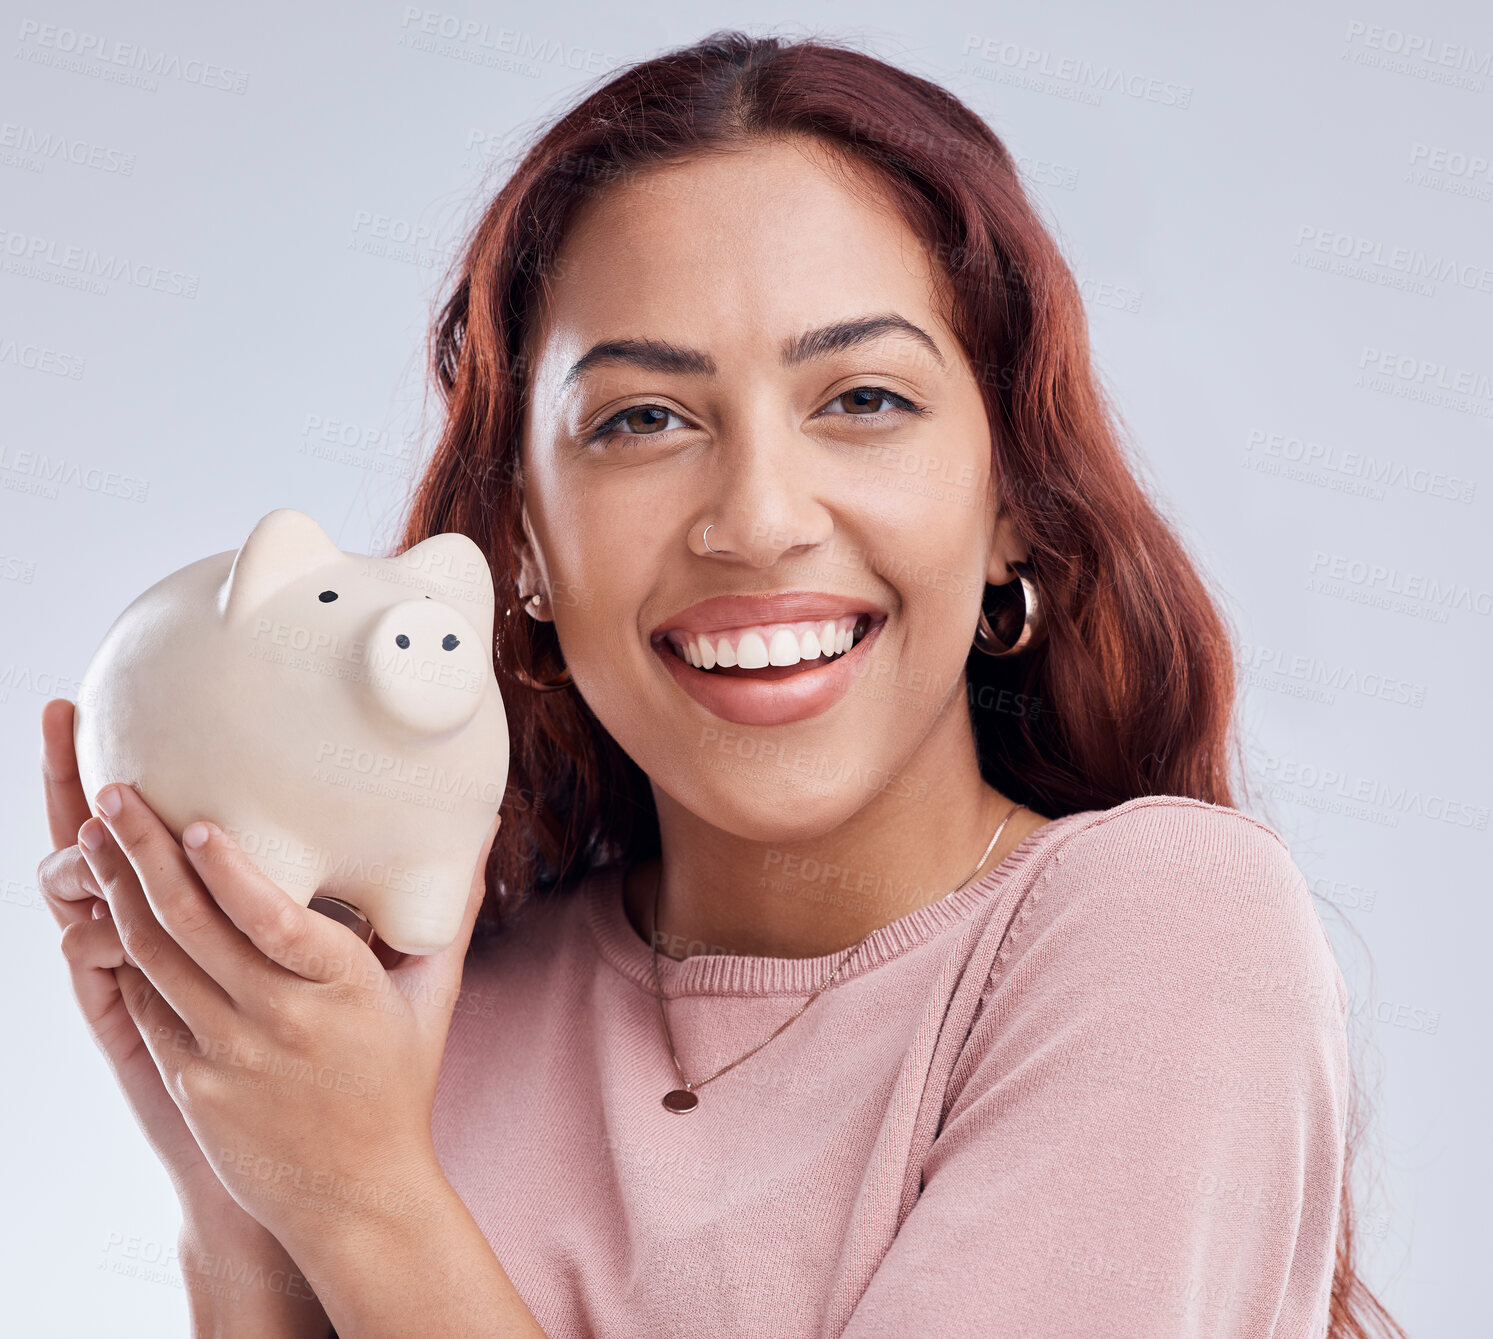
[{"x": 914, "y": 841}]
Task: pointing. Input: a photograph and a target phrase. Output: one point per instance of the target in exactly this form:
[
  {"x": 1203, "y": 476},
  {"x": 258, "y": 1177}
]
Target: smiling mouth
[{"x": 769, "y": 651}]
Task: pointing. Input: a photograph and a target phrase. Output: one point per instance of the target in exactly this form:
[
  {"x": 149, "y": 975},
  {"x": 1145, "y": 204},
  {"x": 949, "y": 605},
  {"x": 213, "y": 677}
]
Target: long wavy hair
[{"x": 1132, "y": 690}]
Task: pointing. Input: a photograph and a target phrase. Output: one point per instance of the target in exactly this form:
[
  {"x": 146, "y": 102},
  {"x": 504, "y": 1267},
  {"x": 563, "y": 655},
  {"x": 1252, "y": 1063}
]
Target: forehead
[{"x": 729, "y": 250}]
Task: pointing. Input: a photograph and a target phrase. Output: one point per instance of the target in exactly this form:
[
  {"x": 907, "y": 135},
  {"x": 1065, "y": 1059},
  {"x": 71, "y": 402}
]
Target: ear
[
  {"x": 456, "y": 565},
  {"x": 285, "y": 545},
  {"x": 1009, "y": 548},
  {"x": 530, "y": 574}
]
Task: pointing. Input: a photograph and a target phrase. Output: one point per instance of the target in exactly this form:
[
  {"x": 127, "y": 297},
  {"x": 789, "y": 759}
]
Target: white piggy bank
[{"x": 337, "y": 715}]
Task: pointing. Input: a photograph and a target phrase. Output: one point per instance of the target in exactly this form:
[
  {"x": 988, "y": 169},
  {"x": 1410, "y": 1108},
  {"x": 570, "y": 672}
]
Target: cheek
[
  {"x": 606, "y": 552},
  {"x": 929, "y": 493},
  {"x": 931, "y": 540},
  {"x": 935, "y": 560}
]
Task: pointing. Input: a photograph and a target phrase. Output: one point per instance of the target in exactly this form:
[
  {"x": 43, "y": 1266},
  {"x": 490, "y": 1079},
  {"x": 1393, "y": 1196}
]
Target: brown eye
[
  {"x": 644, "y": 419},
  {"x": 865, "y": 402}
]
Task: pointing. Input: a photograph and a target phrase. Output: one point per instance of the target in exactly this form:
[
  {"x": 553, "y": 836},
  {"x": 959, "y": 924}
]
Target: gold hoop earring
[
  {"x": 519, "y": 672},
  {"x": 1032, "y": 622}
]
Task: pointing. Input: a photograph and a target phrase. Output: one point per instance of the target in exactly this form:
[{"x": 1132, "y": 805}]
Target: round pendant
[{"x": 681, "y": 1100}]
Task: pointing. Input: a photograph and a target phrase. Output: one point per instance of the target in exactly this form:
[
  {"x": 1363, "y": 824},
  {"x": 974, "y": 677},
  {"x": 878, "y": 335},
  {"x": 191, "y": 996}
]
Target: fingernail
[
  {"x": 194, "y": 835},
  {"x": 90, "y": 836},
  {"x": 109, "y": 801},
  {"x": 101, "y": 911}
]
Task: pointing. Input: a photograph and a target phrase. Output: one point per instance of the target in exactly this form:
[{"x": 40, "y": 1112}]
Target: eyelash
[{"x": 607, "y": 430}]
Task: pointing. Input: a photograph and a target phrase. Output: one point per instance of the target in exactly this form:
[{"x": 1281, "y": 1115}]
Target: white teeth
[
  {"x": 784, "y": 649},
  {"x": 751, "y": 651},
  {"x": 771, "y": 644}
]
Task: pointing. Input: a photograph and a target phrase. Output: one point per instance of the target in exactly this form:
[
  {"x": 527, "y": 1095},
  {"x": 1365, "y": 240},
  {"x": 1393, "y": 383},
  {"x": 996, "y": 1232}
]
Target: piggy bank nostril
[
  {"x": 449, "y": 642},
  {"x": 402, "y": 642}
]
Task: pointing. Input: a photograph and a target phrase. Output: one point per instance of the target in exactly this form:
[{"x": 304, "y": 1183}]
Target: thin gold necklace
[{"x": 681, "y": 1100}]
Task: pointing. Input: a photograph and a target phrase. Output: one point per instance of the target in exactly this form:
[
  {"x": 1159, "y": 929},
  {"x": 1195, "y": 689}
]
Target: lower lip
[{"x": 768, "y": 701}]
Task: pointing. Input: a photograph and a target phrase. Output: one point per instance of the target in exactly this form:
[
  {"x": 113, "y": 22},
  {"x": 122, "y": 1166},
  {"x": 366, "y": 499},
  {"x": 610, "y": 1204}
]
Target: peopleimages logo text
[
  {"x": 1402, "y": 259},
  {"x": 1420, "y": 47},
  {"x": 1378, "y": 576},
  {"x": 1032, "y": 61},
  {"x": 86, "y": 46},
  {"x": 85, "y": 261}
]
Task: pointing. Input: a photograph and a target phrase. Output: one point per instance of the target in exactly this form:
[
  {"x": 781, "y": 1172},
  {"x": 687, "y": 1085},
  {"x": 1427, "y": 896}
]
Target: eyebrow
[{"x": 654, "y": 355}]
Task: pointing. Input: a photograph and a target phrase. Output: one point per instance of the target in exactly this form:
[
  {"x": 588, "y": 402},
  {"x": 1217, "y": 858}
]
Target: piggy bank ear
[
  {"x": 285, "y": 545},
  {"x": 456, "y": 566}
]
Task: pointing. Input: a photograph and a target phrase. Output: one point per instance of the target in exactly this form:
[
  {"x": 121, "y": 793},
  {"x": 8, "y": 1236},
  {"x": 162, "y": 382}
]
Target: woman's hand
[
  {"x": 303, "y": 1067},
  {"x": 217, "y": 1234},
  {"x": 90, "y": 942}
]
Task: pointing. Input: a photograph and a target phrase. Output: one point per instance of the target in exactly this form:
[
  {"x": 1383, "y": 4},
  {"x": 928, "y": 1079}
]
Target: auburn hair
[{"x": 1132, "y": 690}]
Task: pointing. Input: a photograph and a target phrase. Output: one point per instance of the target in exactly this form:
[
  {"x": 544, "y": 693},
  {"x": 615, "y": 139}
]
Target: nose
[
  {"x": 764, "y": 498},
  {"x": 426, "y": 666}
]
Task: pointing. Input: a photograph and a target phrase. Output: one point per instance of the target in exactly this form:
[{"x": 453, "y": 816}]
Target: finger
[
  {"x": 166, "y": 1033},
  {"x": 296, "y": 938},
  {"x": 101, "y": 912},
  {"x": 67, "y": 806},
  {"x": 68, "y": 885},
  {"x": 189, "y": 990},
  {"x": 93, "y": 950},
  {"x": 189, "y": 910}
]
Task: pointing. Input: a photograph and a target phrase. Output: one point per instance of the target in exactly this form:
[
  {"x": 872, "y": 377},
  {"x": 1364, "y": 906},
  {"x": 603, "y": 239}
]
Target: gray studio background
[{"x": 1283, "y": 219}]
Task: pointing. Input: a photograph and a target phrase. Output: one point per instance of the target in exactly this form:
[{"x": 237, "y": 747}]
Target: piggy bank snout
[{"x": 427, "y": 666}]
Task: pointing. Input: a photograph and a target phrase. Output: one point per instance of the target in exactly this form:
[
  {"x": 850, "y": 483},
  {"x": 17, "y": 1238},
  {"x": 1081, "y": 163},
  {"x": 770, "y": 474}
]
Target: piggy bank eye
[
  {"x": 449, "y": 642},
  {"x": 402, "y": 642},
  {"x": 327, "y": 596}
]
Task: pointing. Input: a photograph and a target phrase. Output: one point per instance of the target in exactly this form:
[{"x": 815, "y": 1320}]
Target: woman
[{"x": 866, "y": 951}]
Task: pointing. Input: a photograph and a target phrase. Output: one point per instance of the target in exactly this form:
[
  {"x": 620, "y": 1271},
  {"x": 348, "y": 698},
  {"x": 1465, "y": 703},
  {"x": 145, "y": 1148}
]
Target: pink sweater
[{"x": 1100, "y": 1092}]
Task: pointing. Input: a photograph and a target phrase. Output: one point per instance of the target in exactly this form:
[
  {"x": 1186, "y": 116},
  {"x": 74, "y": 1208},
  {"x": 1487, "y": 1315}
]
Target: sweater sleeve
[{"x": 1143, "y": 1133}]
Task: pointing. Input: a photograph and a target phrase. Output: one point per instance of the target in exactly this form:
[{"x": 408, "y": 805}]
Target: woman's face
[{"x": 749, "y": 343}]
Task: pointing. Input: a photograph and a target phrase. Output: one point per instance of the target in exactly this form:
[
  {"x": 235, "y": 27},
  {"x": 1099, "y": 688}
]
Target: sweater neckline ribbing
[{"x": 746, "y": 974}]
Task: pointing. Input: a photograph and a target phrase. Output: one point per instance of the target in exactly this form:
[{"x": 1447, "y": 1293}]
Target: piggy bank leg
[{"x": 422, "y": 922}]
